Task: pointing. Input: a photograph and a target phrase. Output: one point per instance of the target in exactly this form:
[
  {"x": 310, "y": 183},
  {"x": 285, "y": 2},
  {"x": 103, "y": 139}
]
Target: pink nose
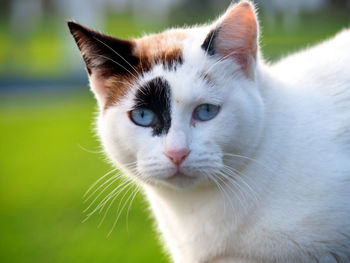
[{"x": 177, "y": 156}]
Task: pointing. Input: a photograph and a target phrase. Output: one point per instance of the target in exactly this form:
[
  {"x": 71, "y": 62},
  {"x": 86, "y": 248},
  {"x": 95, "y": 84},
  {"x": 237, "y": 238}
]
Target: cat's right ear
[
  {"x": 104, "y": 56},
  {"x": 235, "y": 36}
]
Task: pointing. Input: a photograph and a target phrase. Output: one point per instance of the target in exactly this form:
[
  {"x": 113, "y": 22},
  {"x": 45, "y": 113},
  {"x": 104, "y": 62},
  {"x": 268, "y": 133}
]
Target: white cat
[{"x": 240, "y": 161}]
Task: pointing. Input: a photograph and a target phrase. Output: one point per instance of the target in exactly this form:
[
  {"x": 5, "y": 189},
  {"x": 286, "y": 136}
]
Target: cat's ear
[
  {"x": 235, "y": 36},
  {"x": 104, "y": 56}
]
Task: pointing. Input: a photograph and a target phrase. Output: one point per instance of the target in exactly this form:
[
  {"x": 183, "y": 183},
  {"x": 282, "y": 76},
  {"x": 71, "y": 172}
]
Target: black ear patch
[
  {"x": 155, "y": 95},
  {"x": 209, "y": 43},
  {"x": 108, "y": 55}
]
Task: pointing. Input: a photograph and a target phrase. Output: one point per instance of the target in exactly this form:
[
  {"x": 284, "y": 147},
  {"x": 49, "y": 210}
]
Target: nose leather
[{"x": 177, "y": 156}]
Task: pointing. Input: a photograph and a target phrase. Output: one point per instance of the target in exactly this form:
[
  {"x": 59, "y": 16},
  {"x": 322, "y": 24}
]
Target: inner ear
[{"x": 235, "y": 36}]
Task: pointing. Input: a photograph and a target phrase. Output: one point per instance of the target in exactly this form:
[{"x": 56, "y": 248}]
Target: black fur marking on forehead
[
  {"x": 209, "y": 43},
  {"x": 155, "y": 95}
]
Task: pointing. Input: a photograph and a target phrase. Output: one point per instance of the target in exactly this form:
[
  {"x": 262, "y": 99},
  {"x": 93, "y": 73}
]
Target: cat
[{"x": 240, "y": 161}]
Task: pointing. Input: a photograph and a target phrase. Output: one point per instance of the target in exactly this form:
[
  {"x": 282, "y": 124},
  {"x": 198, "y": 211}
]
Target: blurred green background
[{"x": 49, "y": 155}]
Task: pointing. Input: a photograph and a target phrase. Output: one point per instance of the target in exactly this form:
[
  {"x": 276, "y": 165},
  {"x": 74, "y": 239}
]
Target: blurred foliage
[
  {"x": 312, "y": 28},
  {"x": 46, "y": 50}
]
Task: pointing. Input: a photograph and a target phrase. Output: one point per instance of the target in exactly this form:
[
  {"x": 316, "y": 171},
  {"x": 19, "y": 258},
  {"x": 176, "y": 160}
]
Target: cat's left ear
[
  {"x": 236, "y": 36},
  {"x": 106, "y": 58}
]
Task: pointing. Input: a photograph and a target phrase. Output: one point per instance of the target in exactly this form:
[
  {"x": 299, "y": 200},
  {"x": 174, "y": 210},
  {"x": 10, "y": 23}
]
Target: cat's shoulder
[
  {"x": 319, "y": 77},
  {"x": 319, "y": 71},
  {"x": 324, "y": 63}
]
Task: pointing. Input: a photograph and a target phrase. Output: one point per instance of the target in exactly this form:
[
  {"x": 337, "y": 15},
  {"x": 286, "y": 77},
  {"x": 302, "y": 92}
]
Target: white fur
[{"x": 290, "y": 199}]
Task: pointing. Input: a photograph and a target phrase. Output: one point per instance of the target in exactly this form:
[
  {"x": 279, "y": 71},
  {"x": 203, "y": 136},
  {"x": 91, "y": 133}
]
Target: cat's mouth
[
  {"x": 174, "y": 176},
  {"x": 180, "y": 179}
]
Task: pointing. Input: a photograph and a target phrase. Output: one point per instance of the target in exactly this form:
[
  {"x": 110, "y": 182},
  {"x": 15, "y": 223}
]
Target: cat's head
[{"x": 176, "y": 106}]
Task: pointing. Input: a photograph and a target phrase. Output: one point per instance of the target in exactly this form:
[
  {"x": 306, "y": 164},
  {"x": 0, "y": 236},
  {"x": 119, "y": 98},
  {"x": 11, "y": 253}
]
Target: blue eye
[
  {"x": 205, "y": 112},
  {"x": 143, "y": 117}
]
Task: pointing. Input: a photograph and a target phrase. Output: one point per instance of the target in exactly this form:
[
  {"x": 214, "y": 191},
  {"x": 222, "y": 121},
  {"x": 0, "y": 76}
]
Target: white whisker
[
  {"x": 221, "y": 59},
  {"x": 210, "y": 40},
  {"x": 221, "y": 189},
  {"x": 234, "y": 184},
  {"x": 131, "y": 202},
  {"x": 113, "y": 180},
  {"x": 120, "y": 65},
  {"x": 97, "y": 181},
  {"x": 250, "y": 159},
  {"x": 237, "y": 175},
  {"x": 114, "y": 193},
  {"x": 120, "y": 210},
  {"x": 107, "y": 198},
  {"x": 115, "y": 52},
  {"x": 114, "y": 196},
  {"x": 142, "y": 70},
  {"x": 116, "y": 176}
]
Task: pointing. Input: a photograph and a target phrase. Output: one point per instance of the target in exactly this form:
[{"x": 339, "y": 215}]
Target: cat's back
[
  {"x": 313, "y": 87},
  {"x": 319, "y": 79},
  {"x": 323, "y": 66},
  {"x": 311, "y": 98}
]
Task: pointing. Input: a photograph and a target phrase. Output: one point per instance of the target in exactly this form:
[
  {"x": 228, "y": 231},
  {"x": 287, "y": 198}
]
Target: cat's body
[
  {"x": 307, "y": 109},
  {"x": 264, "y": 176}
]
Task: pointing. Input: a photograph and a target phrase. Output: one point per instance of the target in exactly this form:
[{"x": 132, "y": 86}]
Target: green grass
[{"x": 44, "y": 173}]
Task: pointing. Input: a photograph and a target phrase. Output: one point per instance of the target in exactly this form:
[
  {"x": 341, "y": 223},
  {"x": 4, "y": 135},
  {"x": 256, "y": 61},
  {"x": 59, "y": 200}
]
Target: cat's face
[{"x": 175, "y": 106}]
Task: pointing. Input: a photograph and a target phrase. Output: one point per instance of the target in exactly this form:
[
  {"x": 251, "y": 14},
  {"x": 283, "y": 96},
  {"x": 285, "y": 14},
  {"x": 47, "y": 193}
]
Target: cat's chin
[
  {"x": 177, "y": 180},
  {"x": 181, "y": 180}
]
